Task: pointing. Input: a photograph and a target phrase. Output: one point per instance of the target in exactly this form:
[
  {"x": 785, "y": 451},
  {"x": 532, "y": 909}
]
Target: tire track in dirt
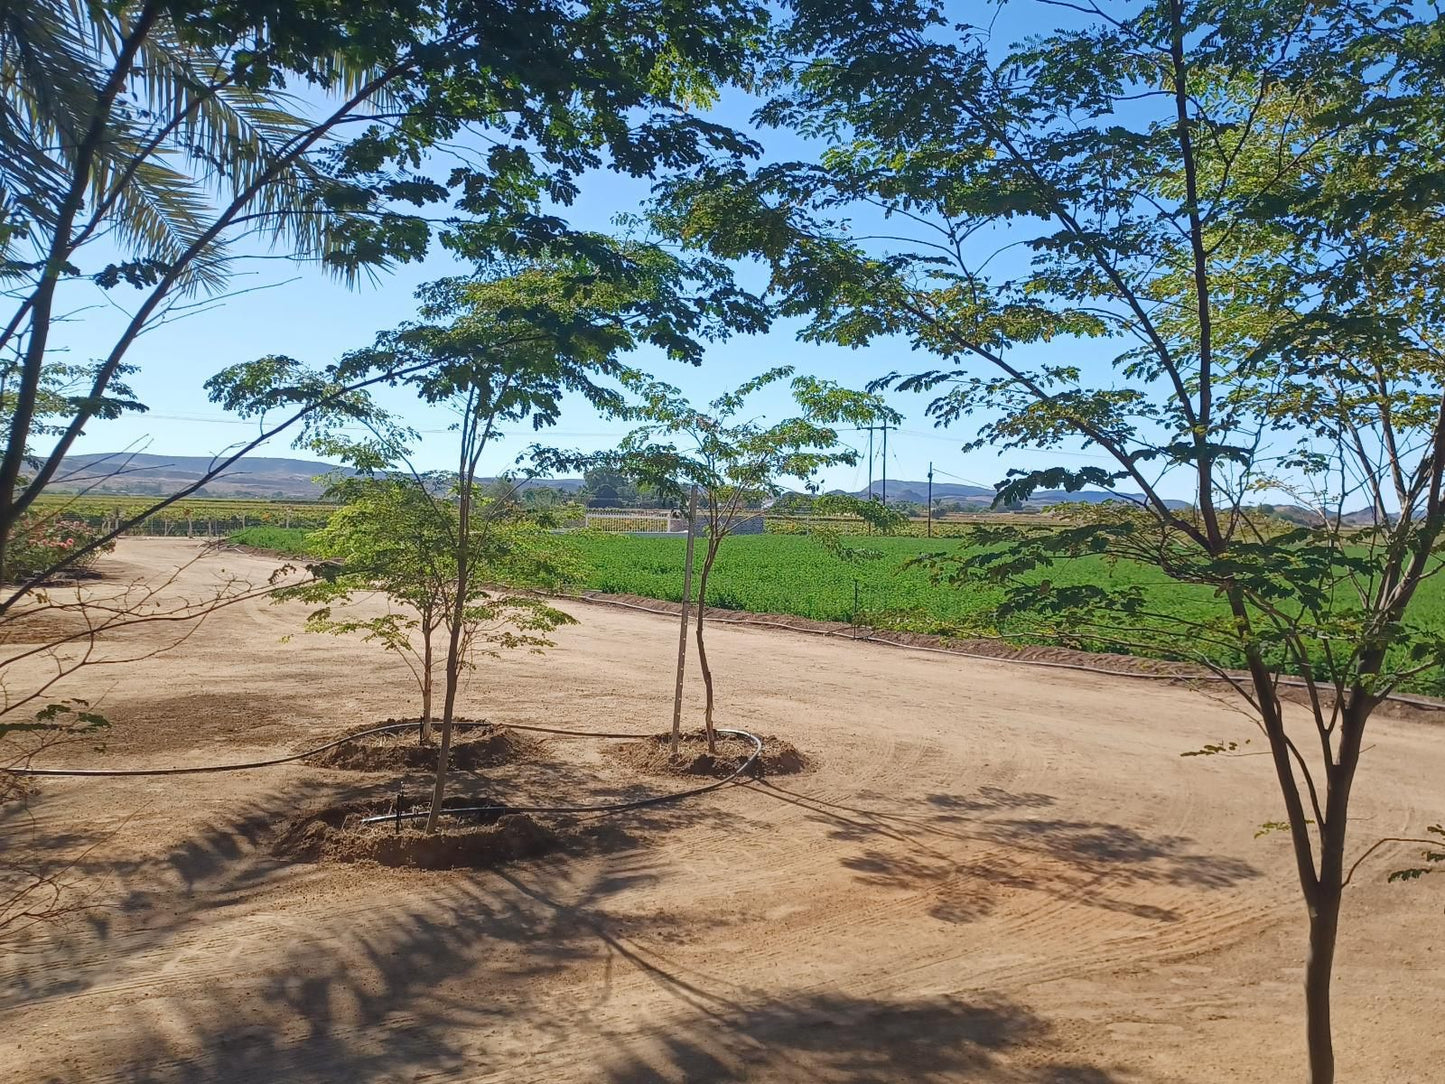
[{"x": 981, "y": 851}]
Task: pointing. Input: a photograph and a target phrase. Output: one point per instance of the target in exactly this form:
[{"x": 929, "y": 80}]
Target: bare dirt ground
[{"x": 990, "y": 873}]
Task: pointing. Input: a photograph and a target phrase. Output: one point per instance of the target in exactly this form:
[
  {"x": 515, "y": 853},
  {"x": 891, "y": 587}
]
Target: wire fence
[{"x": 631, "y": 521}]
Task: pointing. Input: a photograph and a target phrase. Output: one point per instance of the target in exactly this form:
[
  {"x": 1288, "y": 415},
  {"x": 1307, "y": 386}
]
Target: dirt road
[{"x": 994, "y": 873}]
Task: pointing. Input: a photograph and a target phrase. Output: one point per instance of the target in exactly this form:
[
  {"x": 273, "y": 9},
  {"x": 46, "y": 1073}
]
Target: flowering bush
[{"x": 40, "y": 543}]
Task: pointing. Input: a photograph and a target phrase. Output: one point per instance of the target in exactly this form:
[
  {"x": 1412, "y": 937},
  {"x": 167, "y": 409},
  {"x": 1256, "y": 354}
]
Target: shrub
[{"x": 41, "y": 542}]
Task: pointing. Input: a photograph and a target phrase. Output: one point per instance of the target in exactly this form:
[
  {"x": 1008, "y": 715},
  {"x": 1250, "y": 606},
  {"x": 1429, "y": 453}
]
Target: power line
[
  {"x": 882, "y": 427},
  {"x": 966, "y": 481}
]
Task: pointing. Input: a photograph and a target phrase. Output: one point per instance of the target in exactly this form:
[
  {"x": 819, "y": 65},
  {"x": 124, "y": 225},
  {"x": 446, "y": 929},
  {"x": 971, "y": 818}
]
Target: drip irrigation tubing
[
  {"x": 1293, "y": 683},
  {"x": 203, "y": 769},
  {"x": 386, "y": 728},
  {"x": 599, "y": 807},
  {"x": 458, "y": 811}
]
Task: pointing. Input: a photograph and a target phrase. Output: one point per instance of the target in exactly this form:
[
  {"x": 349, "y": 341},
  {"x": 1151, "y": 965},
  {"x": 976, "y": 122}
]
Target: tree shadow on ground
[
  {"x": 211, "y": 965},
  {"x": 840, "y": 1039},
  {"x": 960, "y": 853},
  {"x": 131, "y": 902},
  {"x": 133, "y": 897}
]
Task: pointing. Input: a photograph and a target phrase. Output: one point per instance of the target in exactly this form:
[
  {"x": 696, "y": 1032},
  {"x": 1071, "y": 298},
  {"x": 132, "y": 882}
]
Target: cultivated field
[
  {"x": 797, "y": 575},
  {"x": 793, "y": 574},
  {"x": 991, "y": 873}
]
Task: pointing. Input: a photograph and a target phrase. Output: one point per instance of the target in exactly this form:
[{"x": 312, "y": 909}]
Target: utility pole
[
  {"x": 883, "y": 427},
  {"x": 929, "y": 510},
  {"x": 885, "y": 463},
  {"x": 870, "y": 462},
  {"x": 686, "y": 605}
]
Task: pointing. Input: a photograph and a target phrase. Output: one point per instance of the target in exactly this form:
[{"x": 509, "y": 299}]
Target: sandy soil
[{"x": 992, "y": 873}]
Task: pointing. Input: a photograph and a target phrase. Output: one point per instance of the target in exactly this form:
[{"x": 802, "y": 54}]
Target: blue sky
[{"x": 302, "y": 313}]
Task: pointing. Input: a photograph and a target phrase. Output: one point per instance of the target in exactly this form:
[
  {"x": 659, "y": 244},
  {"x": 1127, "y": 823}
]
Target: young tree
[
  {"x": 737, "y": 461},
  {"x": 482, "y": 402},
  {"x": 1239, "y": 204},
  {"x": 502, "y": 348},
  {"x": 401, "y": 537},
  {"x": 389, "y": 538},
  {"x": 149, "y": 146}
]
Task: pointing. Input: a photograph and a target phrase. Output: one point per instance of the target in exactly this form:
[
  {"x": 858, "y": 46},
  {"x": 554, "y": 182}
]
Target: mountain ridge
[
  {"x": 287, "y": 478},
  {"x": 916, "y": 492},
  {"x": 144, "y": 474}
]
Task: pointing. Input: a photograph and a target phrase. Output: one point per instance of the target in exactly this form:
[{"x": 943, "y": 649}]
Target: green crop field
[
  {"x": 286, "y": 541},
  {"x": 955, "y": 526},
  {"x": 793, "y": 574},
  {"x": 797, "y": 575}
]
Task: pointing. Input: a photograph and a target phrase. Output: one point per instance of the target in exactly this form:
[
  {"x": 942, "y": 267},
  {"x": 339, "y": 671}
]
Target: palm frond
[{"x": 161, "y": 174}]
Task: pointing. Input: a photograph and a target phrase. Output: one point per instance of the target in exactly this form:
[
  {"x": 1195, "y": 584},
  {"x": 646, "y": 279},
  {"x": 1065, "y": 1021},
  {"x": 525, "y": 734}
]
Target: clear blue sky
[{"x": 302, "y": 313}]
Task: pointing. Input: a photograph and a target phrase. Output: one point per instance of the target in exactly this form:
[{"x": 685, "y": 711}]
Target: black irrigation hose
[
  {"x": 601, "y": 807},
  {"x": 392, "y": 728},
  {"x": 388, "y": 728}
]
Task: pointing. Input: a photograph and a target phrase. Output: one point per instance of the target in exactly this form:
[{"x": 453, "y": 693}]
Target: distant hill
[
  {"x": 274, "y": 478},
  {"x": 260, "y": 477},
  {"x": 144, "y": 474},
  {"x": 1293, "y": 513},
  {"x": 917, "y": 493},
  {"x": 900, "y": 490}
]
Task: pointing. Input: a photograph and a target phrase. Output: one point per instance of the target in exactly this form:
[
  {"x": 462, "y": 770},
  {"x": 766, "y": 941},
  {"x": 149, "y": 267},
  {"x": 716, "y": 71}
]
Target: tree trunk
[
  {"x": 702, "y": 649},
  {"x": 426, "y": 668},
  {"x": 467, "y": 476},
  {"x": 1324, "y": 929},
  {"x": 444, "y": 747},
  {"x": 1324, "y": 902},
  {"x": 22, "y": 410}
]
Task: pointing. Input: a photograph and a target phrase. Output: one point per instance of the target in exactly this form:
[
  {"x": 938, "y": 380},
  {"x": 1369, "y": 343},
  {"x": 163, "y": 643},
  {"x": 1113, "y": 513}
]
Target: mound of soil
[
  {"x": 474, "y": 745},
  {"x": 652, "y": 755},
  {"x": 336, "y": 834}
]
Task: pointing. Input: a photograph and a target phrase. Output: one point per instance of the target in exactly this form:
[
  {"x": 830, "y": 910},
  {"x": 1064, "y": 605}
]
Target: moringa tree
[
  {"x": 737, "y": 461},
  {"x": 389, "y": 538},
  {"x": 1199, "y": 242},
  {"x": 149, "y": 147},
  {"x": 500, "y": 349},
  {"x": 398, "y": 537}
]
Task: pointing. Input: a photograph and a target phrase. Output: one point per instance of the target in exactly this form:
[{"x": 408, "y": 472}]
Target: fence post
[{"x": 855, "y": 609}]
